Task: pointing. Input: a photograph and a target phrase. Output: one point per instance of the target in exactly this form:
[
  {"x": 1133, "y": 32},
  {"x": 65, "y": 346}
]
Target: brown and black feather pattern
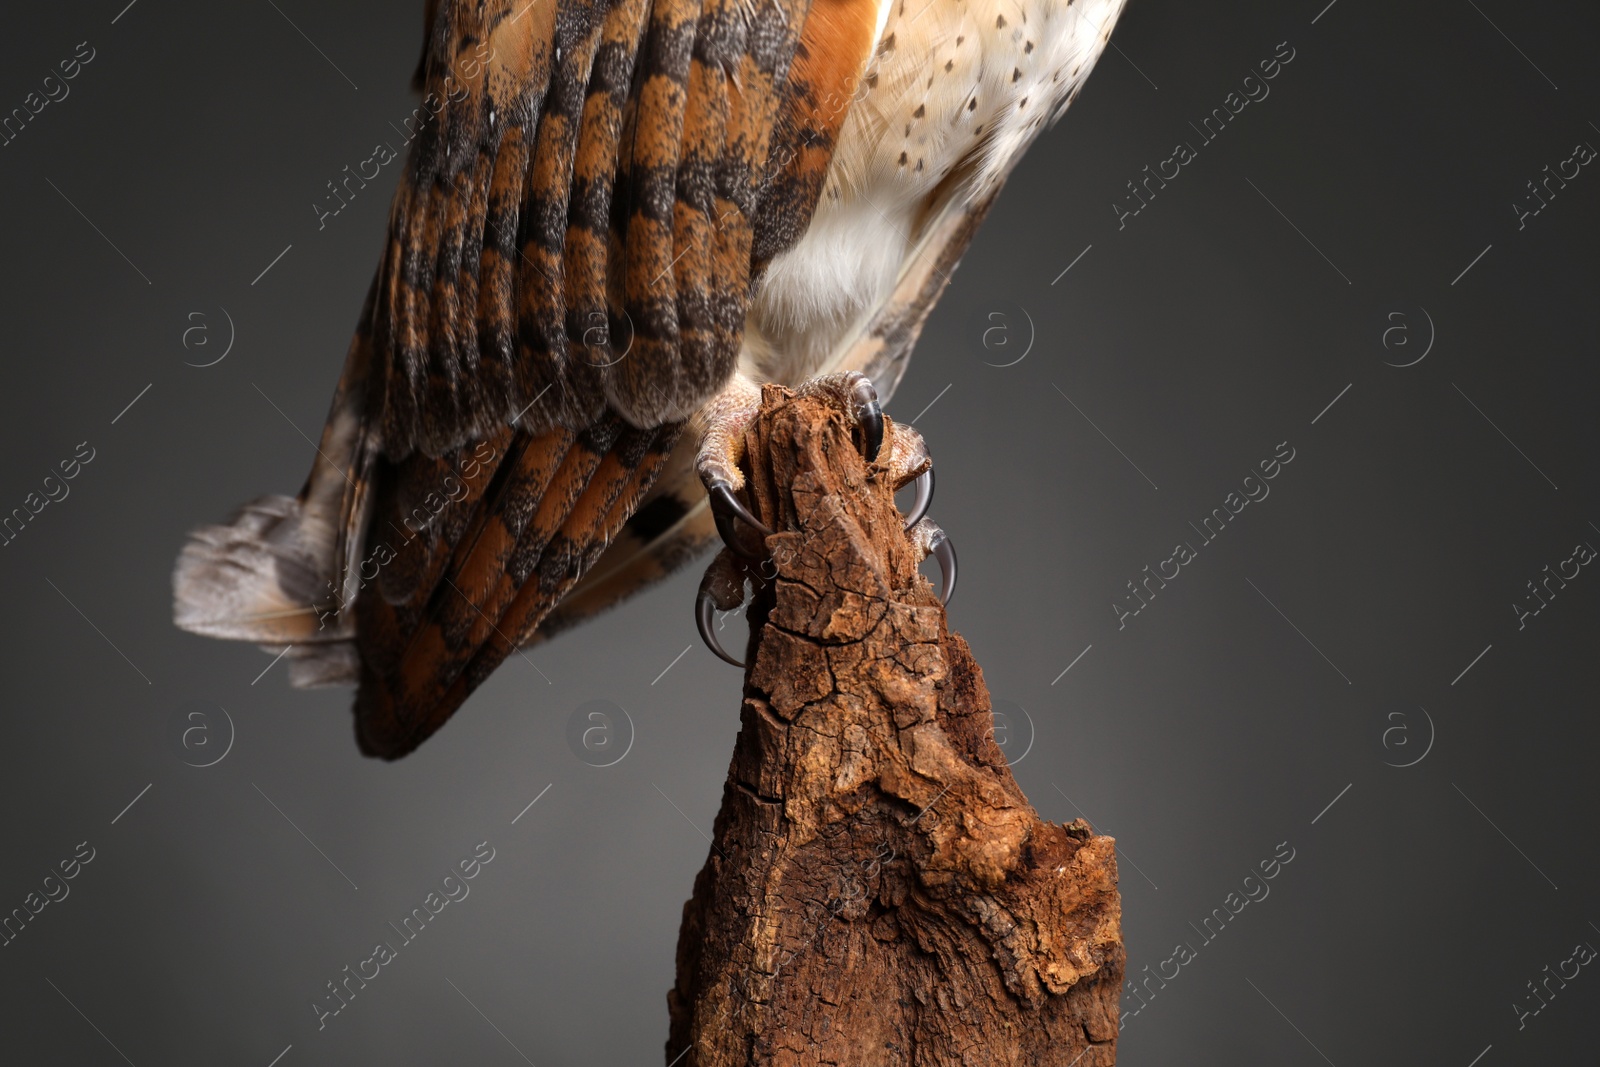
[
  {"x": 573, "y": 229},
  {"x": 566, "y": 278},
  {"x": 463, "y": 590}
]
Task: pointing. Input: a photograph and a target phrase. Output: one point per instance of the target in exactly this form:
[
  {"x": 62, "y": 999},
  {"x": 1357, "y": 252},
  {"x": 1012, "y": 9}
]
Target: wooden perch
[{"x": 879, "y": 890}]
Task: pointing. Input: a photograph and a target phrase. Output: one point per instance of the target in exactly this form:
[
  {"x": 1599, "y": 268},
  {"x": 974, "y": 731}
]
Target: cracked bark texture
[{"x": 879, "y": 890}]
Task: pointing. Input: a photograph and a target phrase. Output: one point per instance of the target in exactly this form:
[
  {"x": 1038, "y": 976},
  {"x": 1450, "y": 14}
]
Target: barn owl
[{"x": 617, "y": 219}]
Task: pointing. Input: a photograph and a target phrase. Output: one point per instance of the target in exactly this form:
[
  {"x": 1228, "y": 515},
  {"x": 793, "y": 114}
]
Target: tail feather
[
  {"x": 260, "y": 578},
  {"x": 282, "y": 572}
]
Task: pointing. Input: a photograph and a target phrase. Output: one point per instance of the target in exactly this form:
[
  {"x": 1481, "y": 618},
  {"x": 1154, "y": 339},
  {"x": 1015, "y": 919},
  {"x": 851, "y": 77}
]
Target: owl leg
[
  {"x": 721, "y": 423},
  {"x": 724, "y": 418}
]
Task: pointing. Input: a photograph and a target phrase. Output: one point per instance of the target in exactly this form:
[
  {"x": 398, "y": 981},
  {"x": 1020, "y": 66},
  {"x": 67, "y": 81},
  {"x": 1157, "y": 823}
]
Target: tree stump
[{"x": 879, "y": 890}]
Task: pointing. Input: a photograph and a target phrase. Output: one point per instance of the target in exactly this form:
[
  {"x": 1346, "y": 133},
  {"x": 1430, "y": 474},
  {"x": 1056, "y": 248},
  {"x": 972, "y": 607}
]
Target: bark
[{"x": 879, "y": 890}]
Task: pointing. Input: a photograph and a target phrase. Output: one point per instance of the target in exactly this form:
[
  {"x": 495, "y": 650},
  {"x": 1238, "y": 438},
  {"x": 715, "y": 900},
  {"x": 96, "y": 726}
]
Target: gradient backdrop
[{"x": 1345, "y": 269}]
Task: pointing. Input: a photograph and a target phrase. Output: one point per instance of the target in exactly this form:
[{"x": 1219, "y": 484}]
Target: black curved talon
[
  {"x": 730, "y": 534},
  {"x": 725, "y": 507},
  {"x": 704, "y": 618},
  {"x": 723, "y": 494},
  {"x": 919, "y": 506},
  {"x": 942, "y": 549},
  {"x": 869, "y": 416}
]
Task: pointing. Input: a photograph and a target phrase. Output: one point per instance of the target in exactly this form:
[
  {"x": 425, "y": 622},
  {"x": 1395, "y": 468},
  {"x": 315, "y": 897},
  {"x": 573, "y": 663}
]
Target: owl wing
[
  {"x": 574, "y": 227},
  {"x": 592, "y": 191}
]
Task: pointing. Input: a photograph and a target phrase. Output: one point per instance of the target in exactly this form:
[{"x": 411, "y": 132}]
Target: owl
[{"x": 617, "y": 220}]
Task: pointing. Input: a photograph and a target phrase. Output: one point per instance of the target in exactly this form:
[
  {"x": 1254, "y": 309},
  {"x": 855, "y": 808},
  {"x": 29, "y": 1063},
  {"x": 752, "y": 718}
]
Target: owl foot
[
  {"x": 726, "y": 416},
  {"x": 855, "y": 393},
  {"x": 723, "y": 587}
]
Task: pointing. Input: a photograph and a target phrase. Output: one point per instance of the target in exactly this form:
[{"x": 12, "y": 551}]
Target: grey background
[{"x": 1203, "y": 734}]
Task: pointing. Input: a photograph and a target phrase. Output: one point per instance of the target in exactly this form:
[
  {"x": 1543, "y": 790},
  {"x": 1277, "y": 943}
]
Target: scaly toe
[
  {"x": 722, "y": 423},
  {"x": 905, "y": 460}
]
